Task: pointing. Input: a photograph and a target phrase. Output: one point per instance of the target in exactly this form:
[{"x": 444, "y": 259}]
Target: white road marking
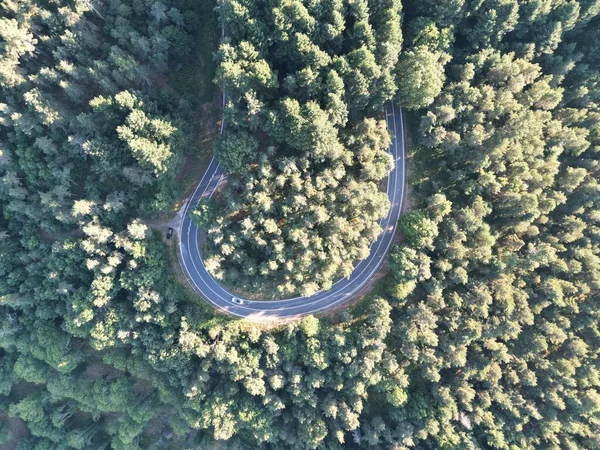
[{"x": 283, "y": 309}]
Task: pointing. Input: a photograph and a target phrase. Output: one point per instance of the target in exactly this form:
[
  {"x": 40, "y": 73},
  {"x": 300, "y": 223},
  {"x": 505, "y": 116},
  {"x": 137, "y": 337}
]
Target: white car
[{"x": 237, "y": 301}]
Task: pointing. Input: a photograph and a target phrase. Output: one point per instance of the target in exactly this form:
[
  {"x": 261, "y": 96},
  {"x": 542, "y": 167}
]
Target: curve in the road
[{"x": 341, "y": 292}]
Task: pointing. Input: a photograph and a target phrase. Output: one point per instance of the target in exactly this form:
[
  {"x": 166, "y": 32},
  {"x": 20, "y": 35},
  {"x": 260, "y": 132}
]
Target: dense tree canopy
[
  {"x": 483, "y": 335},
  {"x": 497, "y": 281},
  {"x": 304, "y": 142}
]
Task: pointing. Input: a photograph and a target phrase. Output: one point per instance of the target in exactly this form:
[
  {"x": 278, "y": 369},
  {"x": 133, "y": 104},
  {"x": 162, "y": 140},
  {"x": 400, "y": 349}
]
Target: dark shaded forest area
[{"x": 484, "y": 334}]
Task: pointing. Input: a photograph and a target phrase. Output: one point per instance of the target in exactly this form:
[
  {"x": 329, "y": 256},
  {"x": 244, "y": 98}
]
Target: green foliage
[
  {"x": 5, "y": 433},
  {"x": 311, "y": 94},
  {"x": 420, "y": 77},
  {"x": 483, "y": 335},
  {"x": 236, "y": 150},
  {"x": 204, "y": 214},
  {"x": 194, "y": 75},
  {"x": 418, "y": 230},
  {"x": 496, "y": 297},
  {"x": 7, "y": 362}
]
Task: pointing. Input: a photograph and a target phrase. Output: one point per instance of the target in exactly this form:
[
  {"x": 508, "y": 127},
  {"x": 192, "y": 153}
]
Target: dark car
[{"x": 169, "y": 233}]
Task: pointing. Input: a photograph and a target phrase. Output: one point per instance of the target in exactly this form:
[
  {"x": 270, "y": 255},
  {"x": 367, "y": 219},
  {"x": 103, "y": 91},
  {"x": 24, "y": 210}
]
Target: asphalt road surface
[{"x": 280, "y": 310}]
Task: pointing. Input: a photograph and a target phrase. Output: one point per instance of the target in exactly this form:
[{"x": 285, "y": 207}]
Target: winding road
[{"x": 281, "y": 310}]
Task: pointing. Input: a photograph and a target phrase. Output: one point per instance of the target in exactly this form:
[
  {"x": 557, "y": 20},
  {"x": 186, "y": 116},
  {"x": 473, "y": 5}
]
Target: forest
[
  {"x": 482, "y": 334},
  {"x": 305, "y": 142}
]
